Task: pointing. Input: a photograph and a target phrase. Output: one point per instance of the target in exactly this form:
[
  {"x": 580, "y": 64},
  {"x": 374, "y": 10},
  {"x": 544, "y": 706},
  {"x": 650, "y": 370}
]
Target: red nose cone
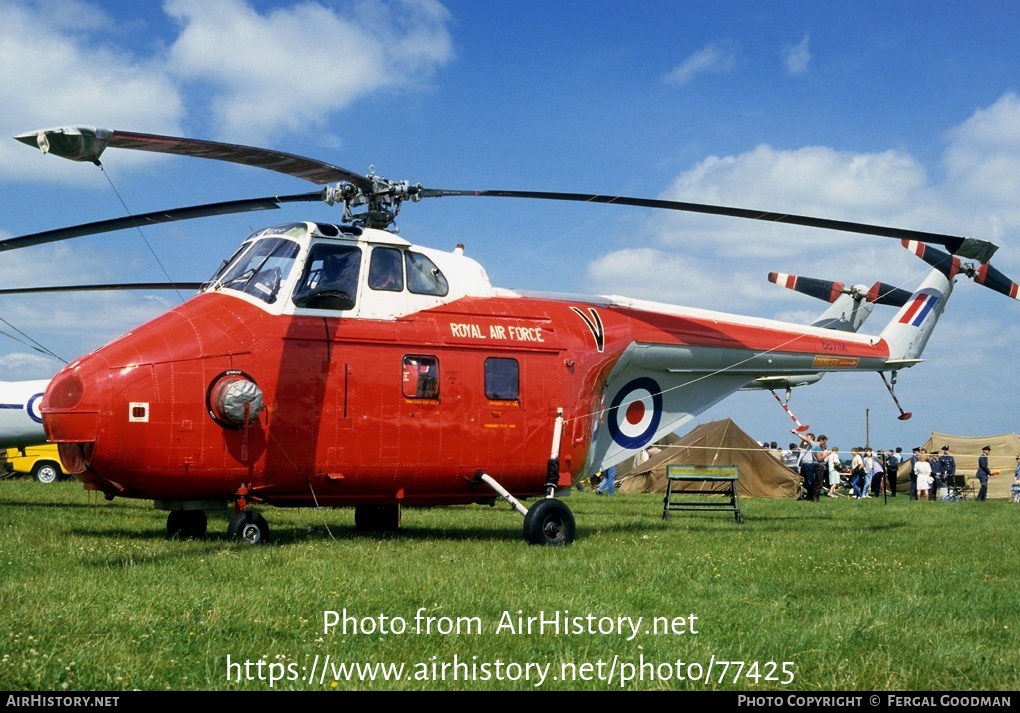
[{"x": 64, "y": 392}]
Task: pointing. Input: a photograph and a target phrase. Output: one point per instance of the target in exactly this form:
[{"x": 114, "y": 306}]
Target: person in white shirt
[{"x": 922, "y": 468}]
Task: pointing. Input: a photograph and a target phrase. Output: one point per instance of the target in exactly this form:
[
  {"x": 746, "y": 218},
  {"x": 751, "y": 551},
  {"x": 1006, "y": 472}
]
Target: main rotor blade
[
  {"x": 155, "y": 218},
  {"x": 87, "y": 143},
  {"x": 102, "y": 288},
  {"x": 979, "y": 250}
]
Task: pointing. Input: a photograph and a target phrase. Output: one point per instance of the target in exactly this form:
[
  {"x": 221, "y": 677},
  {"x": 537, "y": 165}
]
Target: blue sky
[{"x": 898, "y": 113}]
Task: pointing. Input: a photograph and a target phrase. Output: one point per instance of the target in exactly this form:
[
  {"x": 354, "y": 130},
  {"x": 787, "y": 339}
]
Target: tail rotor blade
[
  {"x": 950, "y": 266},
  {"x": 882, "y": 293},
  {"x": 825, "y": 290},
  {"x": 994, "y": 280}
]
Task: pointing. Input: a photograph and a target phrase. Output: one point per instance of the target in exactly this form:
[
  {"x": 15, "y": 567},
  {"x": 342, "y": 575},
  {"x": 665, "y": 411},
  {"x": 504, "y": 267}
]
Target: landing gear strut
[
  {"x": 547, "y": 522},
  {"x": 904, "y": 415}
]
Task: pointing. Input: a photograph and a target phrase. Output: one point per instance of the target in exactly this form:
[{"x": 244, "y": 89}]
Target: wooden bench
[{"x": 717, "y": 480}]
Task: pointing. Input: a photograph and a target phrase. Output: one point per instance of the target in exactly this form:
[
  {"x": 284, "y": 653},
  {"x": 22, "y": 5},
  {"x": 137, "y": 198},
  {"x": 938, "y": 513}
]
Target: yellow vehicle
[{"x": 41, "y": 462}]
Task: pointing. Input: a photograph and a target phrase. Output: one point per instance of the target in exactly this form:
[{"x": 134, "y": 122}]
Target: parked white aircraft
[{"x": 20, "y": 420}]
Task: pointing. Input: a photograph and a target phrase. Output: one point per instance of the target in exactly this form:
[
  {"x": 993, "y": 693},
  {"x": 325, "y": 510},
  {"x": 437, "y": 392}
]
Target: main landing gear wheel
[
  {"x": 46, "y": 472},
  {"x": 249, "y": 527},
  {"x": 377, "y": 518},
  {"x": 186, "y": 524},
  {"x": 549, "y": 522}
]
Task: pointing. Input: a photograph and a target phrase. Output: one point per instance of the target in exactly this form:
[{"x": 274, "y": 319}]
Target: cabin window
[
  {"x": 423, "y": 277},
  {"x": 421, "y": 377},
  {"x": 261, "y": 269},
  {"x": 386, "y": 272},
  {"x": 502, "y": 379},
  {"x": 330, "y": 277}
]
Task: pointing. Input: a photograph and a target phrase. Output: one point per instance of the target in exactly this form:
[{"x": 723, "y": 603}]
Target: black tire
[
  {"x": 549, "y": 522},
  {"x": 186, "y": 524},
  {"x": 46, "y": 471},
  {"x": 249, "y": 527},
  {"x": 377, "y": 518}
]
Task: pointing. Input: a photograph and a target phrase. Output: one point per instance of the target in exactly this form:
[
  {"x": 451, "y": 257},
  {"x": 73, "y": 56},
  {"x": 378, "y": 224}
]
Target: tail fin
[{"x": 908, "y": 332}]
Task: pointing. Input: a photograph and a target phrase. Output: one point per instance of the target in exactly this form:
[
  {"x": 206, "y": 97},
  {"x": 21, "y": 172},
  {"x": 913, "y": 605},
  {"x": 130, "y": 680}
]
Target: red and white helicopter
[{"x": 340, "y": 365}]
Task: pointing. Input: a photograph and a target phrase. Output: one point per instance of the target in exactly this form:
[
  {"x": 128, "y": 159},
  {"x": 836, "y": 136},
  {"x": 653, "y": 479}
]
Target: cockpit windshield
[
  {"x": 261, "y": 269},
  {"x": 330, "y": 277}
]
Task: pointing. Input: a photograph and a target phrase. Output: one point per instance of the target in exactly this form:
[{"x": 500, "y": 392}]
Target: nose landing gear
[{"x": 249, "y": 527}]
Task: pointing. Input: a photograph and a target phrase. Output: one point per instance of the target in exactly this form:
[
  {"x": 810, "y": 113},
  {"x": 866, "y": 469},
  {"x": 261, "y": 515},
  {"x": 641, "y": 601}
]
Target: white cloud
[
  {"x": 22, "y": 366},
  {"x": 294, "y": 66},
  {"x": 722, "y": 263},
  {"x": 797, "y": 57},
  {"x": 714, "y": 58},
  {"x": 659, "y": 275},
  {"x": 982, "y": 166},
  {"x": 246, "y": 74},
  {"x": 57, "y": 70}
]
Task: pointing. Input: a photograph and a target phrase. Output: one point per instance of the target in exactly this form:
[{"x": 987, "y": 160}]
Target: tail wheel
[
  {"x": 46, "y": 472},
  {"x": 549, "y": 522},
  {"x": 249, "y": 527}
]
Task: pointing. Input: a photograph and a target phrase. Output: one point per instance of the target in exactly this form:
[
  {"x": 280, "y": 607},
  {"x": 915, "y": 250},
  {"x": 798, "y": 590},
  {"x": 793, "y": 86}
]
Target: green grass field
[{"x": 839, "y": 595}]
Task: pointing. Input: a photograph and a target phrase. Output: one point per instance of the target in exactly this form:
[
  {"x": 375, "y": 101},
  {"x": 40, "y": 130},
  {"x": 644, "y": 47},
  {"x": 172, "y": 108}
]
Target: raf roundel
[
  {"x": 635, "y": 412},
  {"x": 32, "y": 408}
]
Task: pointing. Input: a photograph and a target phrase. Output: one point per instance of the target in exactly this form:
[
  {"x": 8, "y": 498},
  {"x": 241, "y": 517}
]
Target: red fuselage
[{"x": 337, "y": 427}]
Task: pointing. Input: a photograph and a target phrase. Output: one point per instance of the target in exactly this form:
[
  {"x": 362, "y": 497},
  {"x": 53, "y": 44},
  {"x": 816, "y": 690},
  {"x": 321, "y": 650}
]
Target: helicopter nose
[{"x": 71, "y": 417}]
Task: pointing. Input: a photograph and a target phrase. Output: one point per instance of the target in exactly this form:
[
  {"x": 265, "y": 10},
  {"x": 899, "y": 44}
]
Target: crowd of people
[{"x": 871, "y": 473}]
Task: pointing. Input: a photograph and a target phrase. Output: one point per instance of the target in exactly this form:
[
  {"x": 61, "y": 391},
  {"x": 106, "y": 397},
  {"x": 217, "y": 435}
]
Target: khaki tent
[
  {"x": 965, "y": 450},
  {"x": 717, "y": 443}
]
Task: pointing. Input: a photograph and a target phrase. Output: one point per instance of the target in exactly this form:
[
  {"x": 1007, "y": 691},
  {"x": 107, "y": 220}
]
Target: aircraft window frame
[
  {"x": 340, "y": 293},
  {"x": 423, "y": 276},
  {"x": 229, "y": 261},
  {"x": 419, "y": 374},
  {"x": 387, "y": 273},
  {"x": 502, "y": 385},
  {"x": 261, "y": 270}
]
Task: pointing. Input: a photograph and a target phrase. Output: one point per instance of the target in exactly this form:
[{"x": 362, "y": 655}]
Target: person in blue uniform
[
  {"x": 947, "y": 468},
  {"x": 983, "y": 472},
  {"x": 892, "y": 464}
]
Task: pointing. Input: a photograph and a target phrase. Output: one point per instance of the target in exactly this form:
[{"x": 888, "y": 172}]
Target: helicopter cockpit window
[
  {"x": 421, "y": 377},
  {"x": 502, "y": 379},
  {"x": 386, "y": 272},
  {"x": 330, "y": 277},
  {"x": 423, "y": 277},
  {"x": 260, "y": 270}
]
